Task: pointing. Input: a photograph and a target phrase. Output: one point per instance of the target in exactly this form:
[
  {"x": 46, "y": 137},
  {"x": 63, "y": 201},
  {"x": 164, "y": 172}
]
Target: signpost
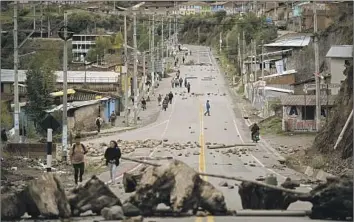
[{"x": 49, "y": 123}]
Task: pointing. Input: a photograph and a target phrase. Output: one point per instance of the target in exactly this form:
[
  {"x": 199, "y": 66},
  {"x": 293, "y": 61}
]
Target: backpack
[{"x": 83, "y": 147}]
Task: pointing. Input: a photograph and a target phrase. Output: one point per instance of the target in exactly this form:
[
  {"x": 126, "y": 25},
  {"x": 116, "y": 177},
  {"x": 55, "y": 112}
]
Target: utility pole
[
  {"x": 162, "y": 51},
  {"x": 220, "y": 42},
  {"x": 255, "y": 60},
  {"x": 198, "y": 44},
  {"x": 152, "y": 52},
  {"x": 317, "y": 70},
  {"x": 16, "y": 94},
  {"x": 41, "y": 19},
  {"x": 169, "y": 36},
  {"x": 243, "y": 54},
  {"x": 135, "y": 74},
  {"x": 239, "y": 57},
  {"x": 144, "y": 74},
  {"x": 126, "y": 83},
  {"x": 65, "y": 91}
]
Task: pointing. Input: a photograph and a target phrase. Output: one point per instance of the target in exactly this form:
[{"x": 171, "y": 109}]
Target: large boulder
[
  {"x": 44, "y": 196},
  {"x": 176, "y": 185},
  {"x": 94, "y": 195}
]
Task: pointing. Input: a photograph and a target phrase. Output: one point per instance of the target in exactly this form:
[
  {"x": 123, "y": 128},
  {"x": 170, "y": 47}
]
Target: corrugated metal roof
[
  {"x": 77, "y": 104},
  {"x": 340, "y": 51},
  {"x": 299, "y": 100},
  {"x": 7, "y": 75},
  {"x": 291, "y": 41}
]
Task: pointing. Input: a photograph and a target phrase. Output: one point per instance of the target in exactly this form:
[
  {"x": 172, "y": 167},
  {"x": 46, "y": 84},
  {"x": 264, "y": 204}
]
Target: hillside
[{"x": 340, "y": 159}]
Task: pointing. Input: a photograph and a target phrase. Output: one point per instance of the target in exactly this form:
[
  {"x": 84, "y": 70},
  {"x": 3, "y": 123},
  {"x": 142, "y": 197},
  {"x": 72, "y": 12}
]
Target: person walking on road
[
  {"x": 207, "y": 106},
  {"x": 143, "y": 104},
  {"x": 99, "y": 122},
  {"x": 170, "y": 97},
  {"x": 189, "y": 87},
  {"x": 165, "y": 104},
  {"x": 159, "y": 99},
  {"x": 173, "y": 82},
  {"x": 183, "y": 59},
  {"x": 180, "y": 82},
  {"x": 113, "y": 118},
  {"x": 112, "y": 156},
  {"x": 77, "y": 159}
]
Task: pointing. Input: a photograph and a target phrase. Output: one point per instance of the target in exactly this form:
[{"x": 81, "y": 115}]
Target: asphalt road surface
[{"x": 184, "y": 121}]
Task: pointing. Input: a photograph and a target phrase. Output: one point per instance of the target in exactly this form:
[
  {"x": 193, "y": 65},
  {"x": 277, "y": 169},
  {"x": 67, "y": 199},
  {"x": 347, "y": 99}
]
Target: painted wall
[{"x": 337, "y": 67}]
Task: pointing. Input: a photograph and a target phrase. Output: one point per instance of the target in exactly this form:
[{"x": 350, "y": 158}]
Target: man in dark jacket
[
  {"x": 170, "y": 97},
  {"x": 254, "y": 129}
]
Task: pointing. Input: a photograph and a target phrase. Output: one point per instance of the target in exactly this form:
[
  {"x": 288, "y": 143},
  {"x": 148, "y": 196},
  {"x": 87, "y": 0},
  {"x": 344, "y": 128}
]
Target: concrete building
[
  {"x": 339, "y": 56},
  {"x": 81, "y": 44}
]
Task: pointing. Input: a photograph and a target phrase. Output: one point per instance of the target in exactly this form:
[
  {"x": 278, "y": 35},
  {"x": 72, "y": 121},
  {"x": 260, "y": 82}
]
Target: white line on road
[
  {"x": 154, "y": 150},
  {"x": 238, "y": 131}
]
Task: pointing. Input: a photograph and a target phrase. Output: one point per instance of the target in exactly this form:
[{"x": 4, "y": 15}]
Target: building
[
  {"x": 299, "y": 111},
  {"x": 81, "y": 44},
  {"x": 100, "y": 81},
  {"x": 191, "y": 8},
  {"x": 228, "y": 7},
  {"x": 290, "y": 41},
  {"x": 340, "y": 56},
  {"x": 82, "y": 114}
]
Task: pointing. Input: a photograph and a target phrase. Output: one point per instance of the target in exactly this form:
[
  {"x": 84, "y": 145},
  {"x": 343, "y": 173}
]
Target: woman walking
[
  {"x": 112, "y": 156},
  {"x": 77, "y": 159}
]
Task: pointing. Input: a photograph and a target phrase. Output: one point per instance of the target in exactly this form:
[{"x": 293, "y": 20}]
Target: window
[
  {"x": 323, "y": 112},
  {"x": 293, "y": 111},
  {"x": 308, "y": 112}
]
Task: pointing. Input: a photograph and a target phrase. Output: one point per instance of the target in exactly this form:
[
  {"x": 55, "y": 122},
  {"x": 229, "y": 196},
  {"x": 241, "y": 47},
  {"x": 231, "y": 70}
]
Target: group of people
[
  {"x": 77, "y": 154},
  {"x": 167, "y": 100}
]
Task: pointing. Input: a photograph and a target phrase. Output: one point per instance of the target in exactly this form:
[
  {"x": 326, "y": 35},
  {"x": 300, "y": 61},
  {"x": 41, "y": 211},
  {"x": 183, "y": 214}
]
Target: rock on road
[{"x": 184, "y": 121}]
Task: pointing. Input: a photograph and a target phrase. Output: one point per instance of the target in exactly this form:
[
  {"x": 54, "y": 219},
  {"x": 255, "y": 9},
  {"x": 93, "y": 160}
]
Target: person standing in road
[
  {"x": 173, "y": 82},
  {"x": 112, "y": 156},
  {"x": 165, "y": 104},
  {"x": 170, "y": 97},
  {"x": 189, "y": 87},
  {"x": 143, "y": 103},
  {"x": 99, "y": 122},
  {"x": 183, "y": 59},
  {"x": 113, "y": 118},
  {"x": 159, "y": 99},
  {"x": 207, "y": 106},
  {"x": 180, "y": 82},
  {"x": 3, "y": 138},
  {"x": 77, "y": 159}
]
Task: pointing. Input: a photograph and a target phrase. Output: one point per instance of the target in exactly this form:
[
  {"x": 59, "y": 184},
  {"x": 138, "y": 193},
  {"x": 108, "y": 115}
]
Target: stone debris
[
  {"x": 112, "y": 213},
  {"x": 94, "y": 195},
  {"x": 32, "y": 200},
  {"x": 125, "y": 146},
  {"x": 176, "y": 185},
  {"x": 223, "y": 184},
  {"x": 330, "y": 200}
]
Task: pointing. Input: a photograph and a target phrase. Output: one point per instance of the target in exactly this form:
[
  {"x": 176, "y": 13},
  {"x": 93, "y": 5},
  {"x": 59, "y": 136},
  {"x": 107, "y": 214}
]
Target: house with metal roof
[
  {"x": 299, "y": 111},
  {"x": 339, "y": 56},
  {"x": 290, "y": 41}
]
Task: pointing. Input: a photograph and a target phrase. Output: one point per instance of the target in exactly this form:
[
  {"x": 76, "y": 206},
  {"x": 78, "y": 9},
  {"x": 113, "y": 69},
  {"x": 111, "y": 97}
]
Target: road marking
[
  {"x": 202, "y": 165},
  {"x": 201, "y": 142},
  {"x": 154, "y": 150},
  {"x": 210, "y": 219},
  {"x": 199, "y": 219},
  {"x": 238, "y": 131}
]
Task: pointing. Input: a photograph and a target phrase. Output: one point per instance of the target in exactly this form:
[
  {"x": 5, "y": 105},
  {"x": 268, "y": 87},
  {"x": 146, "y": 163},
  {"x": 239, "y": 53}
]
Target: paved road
[{"x": 184, "y": 121}]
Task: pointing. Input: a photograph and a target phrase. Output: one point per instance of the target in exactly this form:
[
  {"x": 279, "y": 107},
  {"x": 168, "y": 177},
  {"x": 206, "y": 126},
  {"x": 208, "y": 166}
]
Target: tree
[
  {"x": 6, "y": 118},
  {"x": 40, "y": 83},
  {"x": 117, "y": 41}
]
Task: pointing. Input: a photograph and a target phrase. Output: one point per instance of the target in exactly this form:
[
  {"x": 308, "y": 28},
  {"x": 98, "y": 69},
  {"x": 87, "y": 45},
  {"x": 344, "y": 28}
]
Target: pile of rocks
[{"x": 125, "y": 146}]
